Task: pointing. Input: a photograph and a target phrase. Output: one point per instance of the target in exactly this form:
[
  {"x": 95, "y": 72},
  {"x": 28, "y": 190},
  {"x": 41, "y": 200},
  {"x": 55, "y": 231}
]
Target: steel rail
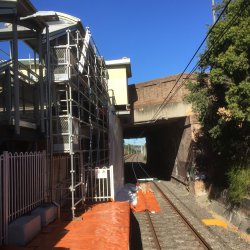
[
  {"x": 152, "y": 228},
  {"x": 147, "y": 213},
  {"x": 128, "y": 156},
  {"x": 142, "y": 168},
  {"x": 201, "y": 240},
  {"x": 180, "y": 181},
  {"x": 134, "y": 157}
]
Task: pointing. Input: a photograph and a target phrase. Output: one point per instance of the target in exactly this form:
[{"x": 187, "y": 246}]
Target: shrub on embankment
[
  {"x": 239, "y": 188},
  {"x": 221, "y": 98}
]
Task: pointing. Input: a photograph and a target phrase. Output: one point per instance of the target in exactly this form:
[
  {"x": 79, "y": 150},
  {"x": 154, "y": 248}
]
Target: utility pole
[{"x": 213, "y": 10}]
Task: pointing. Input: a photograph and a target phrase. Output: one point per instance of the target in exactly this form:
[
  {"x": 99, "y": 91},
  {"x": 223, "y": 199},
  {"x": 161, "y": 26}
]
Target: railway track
[
  {"x": 168, "y": 229},
  {"x": 187, "y": 226},
  {"x": 127, "y": 156}
]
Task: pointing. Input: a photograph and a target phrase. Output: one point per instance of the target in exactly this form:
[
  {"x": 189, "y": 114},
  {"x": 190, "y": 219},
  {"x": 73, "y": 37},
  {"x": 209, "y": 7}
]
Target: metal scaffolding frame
[
  {"x": 77, "y": 109},
  {"x": 63, "y": 103}
]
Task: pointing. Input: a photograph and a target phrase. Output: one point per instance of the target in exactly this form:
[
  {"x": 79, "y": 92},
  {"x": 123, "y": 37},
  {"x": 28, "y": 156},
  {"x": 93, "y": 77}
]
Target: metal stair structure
[{"x": 29, "y": 94}]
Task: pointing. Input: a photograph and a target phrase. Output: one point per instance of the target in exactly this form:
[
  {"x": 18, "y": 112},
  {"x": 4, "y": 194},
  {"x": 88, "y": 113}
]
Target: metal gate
[
  {"x": 96, "y": 185},
  {"x": 99, "y": 184}
]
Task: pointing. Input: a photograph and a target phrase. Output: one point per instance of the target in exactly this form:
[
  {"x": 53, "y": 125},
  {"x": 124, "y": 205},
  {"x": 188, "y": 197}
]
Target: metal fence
[
  {"x": 22, "y": 186},
  {"x": 3, "y": 210}
]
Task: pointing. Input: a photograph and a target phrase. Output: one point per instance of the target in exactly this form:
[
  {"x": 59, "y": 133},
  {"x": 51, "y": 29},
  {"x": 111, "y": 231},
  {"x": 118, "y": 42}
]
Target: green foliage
[
  {"x": 223, "y": 102},
  {"x": 238, "y": 99},
  {"x": 130, "y": 149},
  {"x": 199, "y": 96},
  {"x": 239, "y": 179}
]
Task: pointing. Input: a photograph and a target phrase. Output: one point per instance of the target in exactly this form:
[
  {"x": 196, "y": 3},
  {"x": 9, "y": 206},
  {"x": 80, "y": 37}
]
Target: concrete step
[
  {"x": 25, "y": 228},
  {"x": 47, "y": 212}
]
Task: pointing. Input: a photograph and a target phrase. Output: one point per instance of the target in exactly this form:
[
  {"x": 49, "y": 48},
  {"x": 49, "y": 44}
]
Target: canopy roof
[
  {"x": 31, "y": 21},
  {"x": 18, "y": 7}
]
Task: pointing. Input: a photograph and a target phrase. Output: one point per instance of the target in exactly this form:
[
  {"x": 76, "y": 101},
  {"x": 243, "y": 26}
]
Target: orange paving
[
  {"x": 146, "y": 200},
  {"x": 104, "y": 226}
]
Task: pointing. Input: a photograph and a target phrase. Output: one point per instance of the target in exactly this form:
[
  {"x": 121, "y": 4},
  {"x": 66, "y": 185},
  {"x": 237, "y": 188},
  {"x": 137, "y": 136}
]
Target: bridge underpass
[
  {"x": 168, "y": 147},
  {"x": 170, "y": 135}
]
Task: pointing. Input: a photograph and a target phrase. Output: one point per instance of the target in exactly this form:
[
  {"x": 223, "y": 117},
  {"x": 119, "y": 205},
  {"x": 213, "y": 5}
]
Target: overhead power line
[
  {"x": 192, "y": 58},
  {"x": 207, "y": 53},
  {"x": 218, "y": 38}
]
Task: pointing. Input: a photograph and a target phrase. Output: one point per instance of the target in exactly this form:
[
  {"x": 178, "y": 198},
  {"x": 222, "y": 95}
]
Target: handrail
[
  {"x": 5, "y": 64},
  {"x": 28, "y": 69}
]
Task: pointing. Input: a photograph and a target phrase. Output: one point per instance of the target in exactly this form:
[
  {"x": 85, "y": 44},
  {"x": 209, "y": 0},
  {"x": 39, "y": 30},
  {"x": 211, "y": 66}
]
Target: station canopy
[{"x": 30, "y": 22}]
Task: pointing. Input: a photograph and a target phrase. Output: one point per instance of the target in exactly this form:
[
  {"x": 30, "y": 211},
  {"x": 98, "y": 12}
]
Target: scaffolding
[
  {"x": 77, "y": 110},
  {"x": 62, "y": 105}
]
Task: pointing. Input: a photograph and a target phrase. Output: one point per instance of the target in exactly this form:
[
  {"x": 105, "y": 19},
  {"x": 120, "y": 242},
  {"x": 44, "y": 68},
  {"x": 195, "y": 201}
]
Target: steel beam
[
  {"x": 41, "y": 85},
  {"x": 7, "y": 95},
  {"x": 16, "y": 79}
]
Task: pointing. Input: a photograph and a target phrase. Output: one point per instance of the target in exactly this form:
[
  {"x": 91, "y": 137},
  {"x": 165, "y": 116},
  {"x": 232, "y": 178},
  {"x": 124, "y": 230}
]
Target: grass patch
[{"x": 239, "y": 187}]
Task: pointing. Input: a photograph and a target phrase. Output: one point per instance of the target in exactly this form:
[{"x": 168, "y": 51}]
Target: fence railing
[
  {"x": 28, "y": 97},
  {"x": 22, "y": 186},
  {"x": 3, "y": 210}
]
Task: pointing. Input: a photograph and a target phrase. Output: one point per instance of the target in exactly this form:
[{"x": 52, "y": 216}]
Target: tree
[{"x": 221, "y": 96}]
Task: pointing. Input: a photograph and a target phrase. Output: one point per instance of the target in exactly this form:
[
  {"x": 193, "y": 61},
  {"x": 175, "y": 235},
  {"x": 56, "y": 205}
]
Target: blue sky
[
  {"x": 159, "y": 36},
  {"x": 135, "y": 141}
]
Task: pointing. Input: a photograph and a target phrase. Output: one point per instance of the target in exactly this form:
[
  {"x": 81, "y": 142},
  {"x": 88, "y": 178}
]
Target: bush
[{"x": 239, "y": 187}]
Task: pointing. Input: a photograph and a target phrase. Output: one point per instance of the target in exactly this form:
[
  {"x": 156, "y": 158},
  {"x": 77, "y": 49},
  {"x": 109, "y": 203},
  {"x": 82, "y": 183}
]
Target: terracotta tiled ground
[{"x": 103, "y": 226}]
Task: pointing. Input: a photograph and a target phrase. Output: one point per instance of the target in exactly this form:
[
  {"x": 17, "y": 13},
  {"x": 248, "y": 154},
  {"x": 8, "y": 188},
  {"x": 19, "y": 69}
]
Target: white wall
[{"x": 118, "y": 83}]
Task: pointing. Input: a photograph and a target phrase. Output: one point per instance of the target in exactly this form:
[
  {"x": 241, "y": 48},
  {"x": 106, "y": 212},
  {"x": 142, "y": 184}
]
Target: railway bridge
[{"x": 159, "y": 113}]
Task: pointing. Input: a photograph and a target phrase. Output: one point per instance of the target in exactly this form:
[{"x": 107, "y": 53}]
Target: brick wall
[{"x": 155, "y": 91}]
